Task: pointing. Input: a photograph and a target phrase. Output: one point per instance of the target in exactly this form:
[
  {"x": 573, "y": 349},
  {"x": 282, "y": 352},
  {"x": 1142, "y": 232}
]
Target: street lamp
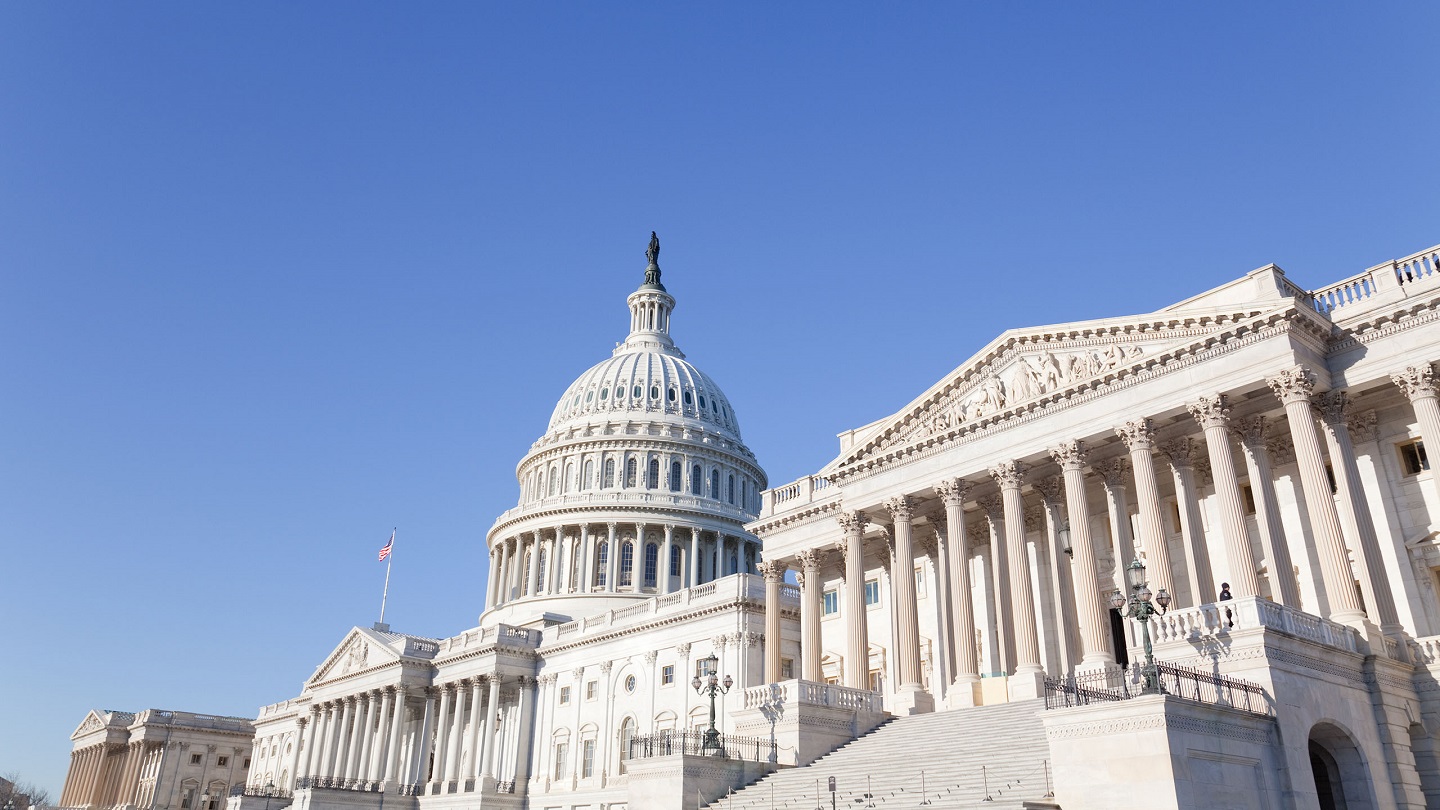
[
  {"x": 1141, "y": 605},
  {"x": 269, "y": 792},
  {"x": 1064, "y": 537},
  {"x": 712, "y": 686}
]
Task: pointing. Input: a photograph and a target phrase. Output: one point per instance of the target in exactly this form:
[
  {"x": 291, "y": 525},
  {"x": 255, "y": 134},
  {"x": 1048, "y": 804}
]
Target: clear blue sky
[{"x": 275, "y": 278}]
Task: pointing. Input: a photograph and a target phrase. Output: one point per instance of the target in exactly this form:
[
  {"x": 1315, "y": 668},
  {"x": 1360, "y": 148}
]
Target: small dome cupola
[{"x": 650, "y": 308}]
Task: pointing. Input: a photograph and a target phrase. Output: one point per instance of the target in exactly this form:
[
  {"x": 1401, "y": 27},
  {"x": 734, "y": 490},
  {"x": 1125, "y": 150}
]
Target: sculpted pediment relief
[
  {"x": 1023, "y": 367},
  {"x": 92, "y": 722},
  {"x": 359, "y": 651}
]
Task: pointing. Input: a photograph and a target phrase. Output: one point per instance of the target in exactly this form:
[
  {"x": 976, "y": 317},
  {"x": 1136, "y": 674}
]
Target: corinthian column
[
  {"x": 953, "y": 493},
  {"x": 1354, "y": 509},
  {"x": 911, "y": 697},
  {"x": 1213, "y": 415},
  {"x": 857, "y": 654},
  {"x": 810, "y": 608},
  {"x": 1139, "y": 437},
  {"x": 1096, "y": 652},
  {"x": 1252, "y": 435},
  {"x": 1004, "y": 653},
  {"x": 1293, "y": 387},
  {"x": 1418, "y": 383},
  {"x": 1028, "y": 676},
  {"x": 1192, "y": 532},
  {"x": 1122, "y": 545},
  {"x": 774, "y": 575}
]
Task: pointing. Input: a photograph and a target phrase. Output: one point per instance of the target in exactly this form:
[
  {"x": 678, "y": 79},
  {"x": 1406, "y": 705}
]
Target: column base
[
  {"x": 1026, "y": 685},
  {"x": 911, "y": 700},
  {"x": 963, "y": 694}
]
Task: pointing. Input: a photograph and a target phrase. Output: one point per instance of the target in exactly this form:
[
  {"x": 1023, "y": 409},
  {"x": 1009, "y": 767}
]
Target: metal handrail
[
  {"x": 1182, "y": 682},
  {"x": 732, "y": 746}
]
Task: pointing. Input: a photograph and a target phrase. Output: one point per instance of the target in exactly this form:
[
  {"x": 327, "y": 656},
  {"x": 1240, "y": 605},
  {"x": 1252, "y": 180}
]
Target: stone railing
[
  {"x": 1416, "y": 268},
  {"x": 797, "y": 493},
  {"x": 502, "y": 634},
  {"x": 811, "y": 693},
  {"x": 628, "y": 497},
  {"x": 1425, "y": 650},
  {"x": 1192, "y": 624},
  {"x": 734, "y": 588}
]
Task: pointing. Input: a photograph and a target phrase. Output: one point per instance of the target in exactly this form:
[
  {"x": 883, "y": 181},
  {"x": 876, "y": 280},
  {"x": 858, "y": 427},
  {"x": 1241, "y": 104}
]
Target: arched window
[
  {"x": 674, "y": 476},
  {"x": 602, "y": 562},
  {"x": 569, "y": 476},
  {"x": 749, "y": 558},
  {"x": 730, "y": 490},
  {"x": 609, "y": 474},
  {"x": 652, "y": 477},
  {"x": 630, "y": 467},
  {"x": 627, "y": 734},
  {"x": 554, "y": 480},
  {"x": 627, "y": 563},
  {"x": 715, "y": 484},
  {"x": 732, "y": 566},
  {"x": 525, "y": 572},
  {"x": 540, "y": 575},
  {"x": 575, "y": 566},
  {"x": 697, "y": 480},
  {"x": 589, "y": 474},
  {"x": 675, "y": 561},
  {"x": 652, "y": 559}
]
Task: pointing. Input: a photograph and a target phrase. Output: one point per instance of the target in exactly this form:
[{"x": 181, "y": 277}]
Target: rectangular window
[
  {"x": 187, "y": 799},
  {"x": 1249, "y": 499},
  {"x": 1330, "y": 476},
  {"x": 1412, "y": 457},
  {"x": 587, "y": 764},
  {"x": 831, "y": 599},
  {"x": 667, "y": 675},
  {"x": 674, "y": 561},
  {"x": 876, "y": 680},
  {"x": 246, "y": 763},
  {"x": 627, "y": 561},
  {"x": 222, "y": 762},
  {"x": 590, "y": 690},
  {"x": 562, "y": 750},
  {"x": 1174, "y": 517},
  {"x": 564, "y": 696},
  {"x": 872, "y": 592},
  {"x": 919, "y": 582},
  {"x": 787, "y": 668},
  {"x": 194, "y": 759}
]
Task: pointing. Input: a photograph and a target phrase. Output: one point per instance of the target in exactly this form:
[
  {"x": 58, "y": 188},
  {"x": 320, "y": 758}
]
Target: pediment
[
  {"x": 360, "y": 650},
  {"x": 1024, "y": 368},
  {"x": 94, "y": 721}
]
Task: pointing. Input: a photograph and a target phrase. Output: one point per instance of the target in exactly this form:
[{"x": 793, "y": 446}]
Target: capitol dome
[{"x": 640, "y": 485}]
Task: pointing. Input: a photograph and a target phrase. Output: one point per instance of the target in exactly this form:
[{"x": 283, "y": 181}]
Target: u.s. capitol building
[{"x": 1187, "y": 558}]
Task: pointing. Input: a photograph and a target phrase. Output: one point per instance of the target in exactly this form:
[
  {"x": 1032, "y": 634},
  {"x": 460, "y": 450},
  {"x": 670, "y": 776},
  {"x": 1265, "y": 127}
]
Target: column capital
[
  {"x": 1178, "y": 452},
  {"x": 1111, "y": 470},
  {"x": 1069, "y": 455},
  {"x": 1333, "y": 407},
  {"x": 809, "y": 559},
  {"x": 1008, "y": 474},
  {"x": 1418, "y": 382},
  {"x": 993, "y": 506},
  {"x": 1294, "y": 384},
  {"x": 772, "y": 571},
  {"x": 1051, "y": 489},
  {"x": 1252, "y": 431},
  {"x": 1137, "y": 434},
  {"x": 852, "y": 522},
  {"x": 1211, "y": 412},
  {"x": 953, "y": 491},
  {"x": 899, "y": 508}
]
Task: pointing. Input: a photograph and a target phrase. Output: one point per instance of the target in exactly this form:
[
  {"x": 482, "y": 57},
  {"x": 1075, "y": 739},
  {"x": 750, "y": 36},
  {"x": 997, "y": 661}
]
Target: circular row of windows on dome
[{"x": 616, "y": 397}]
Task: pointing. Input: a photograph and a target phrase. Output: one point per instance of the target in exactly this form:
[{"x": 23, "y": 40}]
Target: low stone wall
[
  {"x": 807, "y": 720},
  {"x": 688, "y": 781}
]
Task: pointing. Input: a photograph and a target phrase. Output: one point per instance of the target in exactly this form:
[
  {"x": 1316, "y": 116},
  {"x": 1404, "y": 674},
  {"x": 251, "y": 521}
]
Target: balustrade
[{"x": 1218, "y": 618}]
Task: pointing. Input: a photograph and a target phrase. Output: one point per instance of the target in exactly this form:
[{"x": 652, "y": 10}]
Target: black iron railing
[
  {"x": 271, "y": 792},
  {"x": 335, "y": 783},
  {"x": 1169, "y": 679},
  {"x": 730, "y": 746}
]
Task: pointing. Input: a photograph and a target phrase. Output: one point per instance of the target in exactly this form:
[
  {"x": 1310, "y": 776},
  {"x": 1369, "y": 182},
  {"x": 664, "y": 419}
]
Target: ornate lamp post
[
  {"x": 712, "y": 686},
  {"x": 1141, "y": 606}
]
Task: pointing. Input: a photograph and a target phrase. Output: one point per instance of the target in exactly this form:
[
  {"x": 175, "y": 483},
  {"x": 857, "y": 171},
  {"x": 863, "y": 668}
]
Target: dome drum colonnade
[{"x": 1319, "y": 425}]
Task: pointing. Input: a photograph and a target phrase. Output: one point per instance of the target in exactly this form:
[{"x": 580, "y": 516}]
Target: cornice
[
  {"x": 643, "y": 443},
  {"x": 798, "y": 517},
  {"x": 746, "y": 605},
  {"x": 1386, "y": 324},
  {"x": 618, "y": 513}
]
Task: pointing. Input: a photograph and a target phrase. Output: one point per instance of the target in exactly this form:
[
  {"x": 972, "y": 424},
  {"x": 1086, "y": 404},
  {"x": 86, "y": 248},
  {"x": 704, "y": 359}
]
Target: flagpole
[{"x": 389, "y": 558}]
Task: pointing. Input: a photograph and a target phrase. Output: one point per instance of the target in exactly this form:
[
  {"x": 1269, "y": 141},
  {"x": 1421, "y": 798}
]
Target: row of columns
[
  {"x": 1331, "y": 519},
  {"x": 516, "y": 570},
  {"x": 361, "y": 738}
]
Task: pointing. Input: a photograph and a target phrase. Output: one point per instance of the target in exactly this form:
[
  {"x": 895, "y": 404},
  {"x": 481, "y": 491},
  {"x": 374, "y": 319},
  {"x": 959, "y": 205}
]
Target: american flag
[{"x": 385, "y": 552}]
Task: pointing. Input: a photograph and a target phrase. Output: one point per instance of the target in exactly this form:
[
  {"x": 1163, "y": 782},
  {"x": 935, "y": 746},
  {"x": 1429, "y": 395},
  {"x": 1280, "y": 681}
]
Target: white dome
[{"x": 646, "y": 384}]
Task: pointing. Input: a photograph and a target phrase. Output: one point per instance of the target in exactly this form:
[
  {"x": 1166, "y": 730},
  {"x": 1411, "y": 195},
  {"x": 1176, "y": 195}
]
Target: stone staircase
[{"x": 966, "y": 755}]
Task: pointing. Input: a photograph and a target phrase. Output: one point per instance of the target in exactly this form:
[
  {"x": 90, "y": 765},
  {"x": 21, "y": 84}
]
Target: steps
[{"x": 949, "y": 747}]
